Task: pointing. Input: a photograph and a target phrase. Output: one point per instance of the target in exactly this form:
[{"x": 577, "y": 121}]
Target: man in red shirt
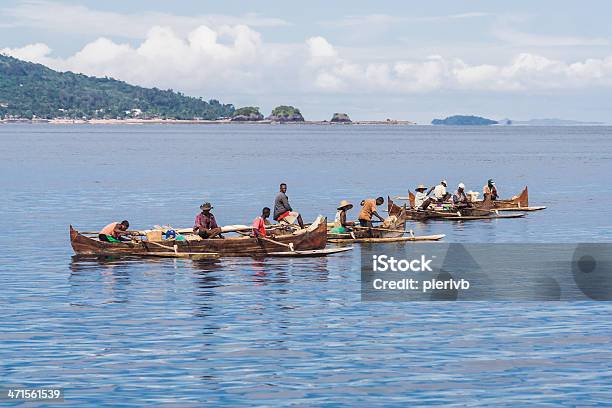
[{"x": 259, "y": 223}]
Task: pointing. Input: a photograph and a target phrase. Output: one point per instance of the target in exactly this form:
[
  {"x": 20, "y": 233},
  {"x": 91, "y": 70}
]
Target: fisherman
[
  {"x": 341, "y": 225},
  {"x": 490, "y": 190},
  {"x": 283, "y": 211},
  {"x": 368, "y": 210},
  {"x": 440, "y": 194},
  {"x": 206, "y": 224},
  {"x": 421, "y": 199},
  {"x": 460, "y": 199},
  {"x": 259, "y": 223},
  {"x": 114, "y": 232}
]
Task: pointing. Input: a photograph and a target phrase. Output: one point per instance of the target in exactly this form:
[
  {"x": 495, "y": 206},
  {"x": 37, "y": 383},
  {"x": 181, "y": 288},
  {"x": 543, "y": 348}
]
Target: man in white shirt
[
  {"x": 440, "y": 193},
  {"x": 421, "y": 201}
]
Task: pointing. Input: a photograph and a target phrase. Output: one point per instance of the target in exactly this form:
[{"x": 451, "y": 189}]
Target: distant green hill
[
  {"x": 28, "y": 90},
  {"x": 463, "y": 120}
]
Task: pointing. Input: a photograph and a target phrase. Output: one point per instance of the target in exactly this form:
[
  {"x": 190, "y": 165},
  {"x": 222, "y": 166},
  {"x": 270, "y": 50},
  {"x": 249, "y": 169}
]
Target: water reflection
[{"x": 103, "y": 278}]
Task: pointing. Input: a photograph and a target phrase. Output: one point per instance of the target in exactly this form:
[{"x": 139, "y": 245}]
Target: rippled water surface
[{"x": 278, "y": 331}]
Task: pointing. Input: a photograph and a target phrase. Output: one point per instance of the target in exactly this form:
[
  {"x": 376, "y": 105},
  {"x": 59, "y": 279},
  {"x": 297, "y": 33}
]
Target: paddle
[
  {"x": 135, "y": 233},
  {"x": 175, "y": 248},
  {"x": 290, "y": 245},
  {"x": 383, "y": 229}
]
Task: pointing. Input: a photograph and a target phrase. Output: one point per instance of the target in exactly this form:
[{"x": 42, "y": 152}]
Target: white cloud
[
  {"x": 319, "y": 47},
  {"x": 33, "y": 52},
  {"x": 234, "y": 59},
  {"x": 77, "y": 19},
  {"x": 525, "y": 72},
  {"x": 227, "y": 57}
]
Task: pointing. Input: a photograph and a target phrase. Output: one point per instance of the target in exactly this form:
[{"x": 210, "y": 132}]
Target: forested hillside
[{"x": 28, "y": 90}]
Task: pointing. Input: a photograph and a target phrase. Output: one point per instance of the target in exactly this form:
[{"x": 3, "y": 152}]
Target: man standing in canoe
[
  {"x": 368, "y": 210},
  {"x": 260, "y": 223},
  {"x": 283, "y": 211},
  {"x": 490, "y": 190},
  {"x": 114, "y": 232},
  {"x": 206, "y": 224}
]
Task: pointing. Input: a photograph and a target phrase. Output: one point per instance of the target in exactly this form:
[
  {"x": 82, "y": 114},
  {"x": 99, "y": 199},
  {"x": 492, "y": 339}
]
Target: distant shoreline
[
  {"x": 266, "y": 122},
  {"x": 199, "y": 122}
]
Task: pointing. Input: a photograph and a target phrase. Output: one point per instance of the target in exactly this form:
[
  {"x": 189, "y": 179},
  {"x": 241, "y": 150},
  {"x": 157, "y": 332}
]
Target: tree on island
[
  {"x": 464, "y": 120},
  {"x": 29, "y": 90},
  {"x": 285, "y": 113},
  {"x": 341, "y": 118},
  {"x": 247, "y": 113}
]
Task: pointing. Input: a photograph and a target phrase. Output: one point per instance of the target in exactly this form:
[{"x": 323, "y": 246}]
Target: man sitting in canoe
[
  {"x": 460, "y": 199},
  {"x": 260, "y": 223},
  {"x": 368, "y": 210},
  {"x": 490, "y": 190},
  {"x": 341, "y": 225},
  {"x": 421, "y": 198},
  {"x": 440, "y": 193},
  {"x": 114, "y": 232},
  {"x": 283, "y": 211},
  {"x": 206, "y": 224}
]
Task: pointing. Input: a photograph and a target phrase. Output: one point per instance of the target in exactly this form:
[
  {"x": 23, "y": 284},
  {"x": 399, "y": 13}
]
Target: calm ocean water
[{"x": 273, "y": 332}]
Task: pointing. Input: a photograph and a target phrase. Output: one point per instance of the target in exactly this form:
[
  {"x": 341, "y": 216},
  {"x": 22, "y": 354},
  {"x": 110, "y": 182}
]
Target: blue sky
[{"x": 373, "y": 60}]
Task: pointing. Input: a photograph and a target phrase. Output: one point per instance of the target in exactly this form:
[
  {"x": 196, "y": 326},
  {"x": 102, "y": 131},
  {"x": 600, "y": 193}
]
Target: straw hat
[
  {"x": 206, "y": 206},
  {"x": 345, "y": 204},
  {"x": 420, "y": 187}
]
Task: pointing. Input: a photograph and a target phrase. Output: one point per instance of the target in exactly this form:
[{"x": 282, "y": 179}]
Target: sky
[{"x": 407, "y": 60}]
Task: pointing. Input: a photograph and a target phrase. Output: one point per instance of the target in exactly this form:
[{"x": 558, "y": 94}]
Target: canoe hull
[
  {"x": 466, "y": 214},
  {"x": 522, "y": 200},
  {"x": 310, "y": 239}
]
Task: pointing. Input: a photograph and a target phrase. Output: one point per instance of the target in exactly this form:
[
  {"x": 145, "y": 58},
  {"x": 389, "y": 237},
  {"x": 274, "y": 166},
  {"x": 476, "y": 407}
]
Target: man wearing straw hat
[
  {"x": 206, "y": 224},
  {"x": 341, "y": 225},
  {"x": 421, "y": 200}
]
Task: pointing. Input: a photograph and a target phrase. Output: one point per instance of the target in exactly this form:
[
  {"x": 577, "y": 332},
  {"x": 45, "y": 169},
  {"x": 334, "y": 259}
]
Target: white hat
[{"x": 461, "y": 185}]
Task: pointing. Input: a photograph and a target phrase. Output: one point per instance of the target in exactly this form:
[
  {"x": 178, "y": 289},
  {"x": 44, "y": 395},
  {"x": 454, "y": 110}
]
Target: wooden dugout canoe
[
  {"x": 518, "y": 203},
  {"x": 395, "y": 228},
  {"x": 469, "y": 214},
  {"x": 312, "y": 238}
]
